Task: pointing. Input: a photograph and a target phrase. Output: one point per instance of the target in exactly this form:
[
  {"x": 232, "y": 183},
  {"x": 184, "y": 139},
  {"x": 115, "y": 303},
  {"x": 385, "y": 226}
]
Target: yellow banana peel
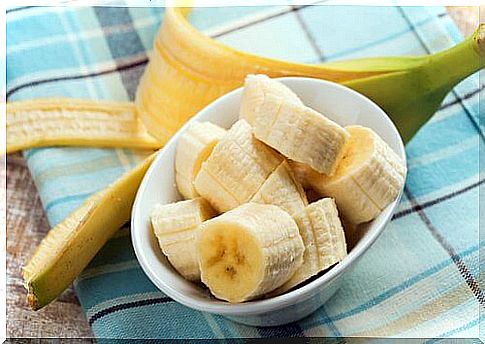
[
  {"x": 69, "y": 246},
  {"x": 64, "y": 121},
  {"x": 187, "y": 71}
]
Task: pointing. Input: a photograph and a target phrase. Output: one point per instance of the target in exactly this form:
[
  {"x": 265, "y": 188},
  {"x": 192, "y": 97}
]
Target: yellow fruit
[
  {"x": 69, "y": 246},
  {"x": 176, "y": 226},
  {"x": 248, "y": 251},
  {"x": 369, "y": 177},
  {"x": 193, "y": 148}
]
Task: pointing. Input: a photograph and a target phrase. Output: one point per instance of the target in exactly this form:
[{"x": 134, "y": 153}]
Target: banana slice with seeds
[
  {"x": 296, "y": 131},
  {"x": 369, "y": 177},
  {"x": 248, "y": 251},
  {"x": 175, "y": 226},
  {"x": 236, "y": 169},
  {"x": 324, "y": 240},
  {"x": 282, "y": 189},
  {"x": 193, "y": 148}
]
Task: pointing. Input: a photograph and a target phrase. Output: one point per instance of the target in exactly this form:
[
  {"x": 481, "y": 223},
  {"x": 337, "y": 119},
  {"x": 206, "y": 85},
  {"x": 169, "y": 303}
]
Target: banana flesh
[
  {"x": 283, "y": 190},
  {"x": 256, "y": 87},
  {"x": 236, "y": 169},
  {"x": 69, "y": 246},
  {"x": 63, "y": 121},
  {"x": 296, "y": 131},
  {"x": 175, "y": 226},
  {"x": 248, "y": 251},
  {"x": 369, "y": 177},
  {"x": 324, "y": 240},
  {"x": 193, "y": 148}
]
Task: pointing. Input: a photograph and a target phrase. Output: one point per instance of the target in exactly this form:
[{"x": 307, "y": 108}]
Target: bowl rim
[{"x": 296, "y": 295}]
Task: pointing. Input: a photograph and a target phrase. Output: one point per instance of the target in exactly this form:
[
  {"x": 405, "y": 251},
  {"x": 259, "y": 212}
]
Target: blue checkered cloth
[{"x": 420, "y": 279}]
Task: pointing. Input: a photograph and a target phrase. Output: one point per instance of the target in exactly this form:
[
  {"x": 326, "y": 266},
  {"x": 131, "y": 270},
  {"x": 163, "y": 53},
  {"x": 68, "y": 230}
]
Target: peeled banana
[
  {"x": 193, "y": 148},
  {"x": 369, "y": 177},
  {"x": 176, "y": 226},
  {"x": 324, "y": 240},
  {"x": 282, "y": 189},
  {"x": 235, "y": 170},
  {"x": 248, "y": 251},
  {"x": 64, "y": 121},
  {"x": 69, "y": 246},
  {"x": 296, "y": 131}
]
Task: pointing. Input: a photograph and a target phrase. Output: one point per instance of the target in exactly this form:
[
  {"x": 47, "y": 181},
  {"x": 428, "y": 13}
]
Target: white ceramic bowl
[{"x": 340, "y": 104}]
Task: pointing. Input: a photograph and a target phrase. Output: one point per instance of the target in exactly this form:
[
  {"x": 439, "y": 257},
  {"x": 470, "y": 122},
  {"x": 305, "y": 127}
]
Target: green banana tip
[{"x": 479, "y": 38}]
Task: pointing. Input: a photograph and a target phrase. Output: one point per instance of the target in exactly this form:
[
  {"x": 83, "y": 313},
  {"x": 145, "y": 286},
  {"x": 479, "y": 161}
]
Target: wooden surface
[{"x": 26, "y": 226}]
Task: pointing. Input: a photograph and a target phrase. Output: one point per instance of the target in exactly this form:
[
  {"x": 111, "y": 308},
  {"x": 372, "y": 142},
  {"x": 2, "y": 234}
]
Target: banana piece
[
  {"x": 283, "y": 190},
  {"x": 369, "y": 177},
  {"x": 256, "y": 87},
  {"x": 236, "y": 169},
  {"x": 65, "y": 121},
  {"x": 248, "y": 251},
  {"x": 296, "y": 131},
  {"x": 324, "y": 240},
  {"x": 193, "y": 148},
  {"x": 175, "y": 226}
]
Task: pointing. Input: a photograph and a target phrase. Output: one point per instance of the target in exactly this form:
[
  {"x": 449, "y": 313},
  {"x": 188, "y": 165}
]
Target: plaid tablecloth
[{"x": 420, "y": 279}]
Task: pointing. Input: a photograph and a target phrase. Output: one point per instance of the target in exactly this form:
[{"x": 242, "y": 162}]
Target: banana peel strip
[
  {"x": 69, "y": 246},
  {"x": 77, "y": 122},
  {"x": 188, "y": 70}
]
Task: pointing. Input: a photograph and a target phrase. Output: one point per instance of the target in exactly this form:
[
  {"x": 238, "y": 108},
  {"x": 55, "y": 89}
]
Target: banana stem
[{"x": 450, "y": 66}]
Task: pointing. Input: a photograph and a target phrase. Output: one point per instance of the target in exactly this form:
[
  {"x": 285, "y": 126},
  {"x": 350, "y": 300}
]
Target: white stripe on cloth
[
  {"x": 80, "y": 36},
  {"x": 444, "y": 153},
  {"x": 407, "y": 300},
  {"x": 442, "y": 191},
  {"x": 461, "y": 315},
  {"x": 450, "y": 111},
  {"x": 66, "y": 72},
  {"x": 92, "y": 90}
]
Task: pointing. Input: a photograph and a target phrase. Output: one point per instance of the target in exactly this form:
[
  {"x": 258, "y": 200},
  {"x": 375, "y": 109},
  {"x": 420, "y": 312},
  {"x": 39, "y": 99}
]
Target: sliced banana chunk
[
  {"x": 248, "y": 251},
  {"x": 369, "y": 177},
  {"x": 175, "y": 226},
  {"x": 194, "y": 147},
  {"x": 282, "y": 189},
  {"x": 296, "y": 131},
  {"x": 236, "y": 169},
  {"x": 324, "y": 240},
  {"x": 256, "y": 87}
]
